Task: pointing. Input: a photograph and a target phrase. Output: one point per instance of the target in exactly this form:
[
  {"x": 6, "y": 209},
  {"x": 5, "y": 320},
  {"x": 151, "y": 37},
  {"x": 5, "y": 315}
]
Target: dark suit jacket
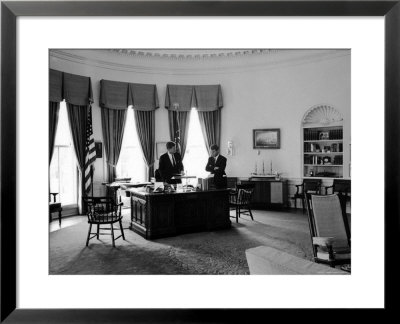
[
  {"x": 219, "y": 180},
  {"x": 167, "y": 170}
]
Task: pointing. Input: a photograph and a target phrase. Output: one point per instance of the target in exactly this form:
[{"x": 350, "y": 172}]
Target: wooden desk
[{"x": 156, "y": 215}]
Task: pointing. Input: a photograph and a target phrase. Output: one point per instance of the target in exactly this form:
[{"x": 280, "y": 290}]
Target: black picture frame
[
  {"x": 11, "y": 10},
  {"x": 99, "y": 149},
  {"x": 262, "y": 138}
]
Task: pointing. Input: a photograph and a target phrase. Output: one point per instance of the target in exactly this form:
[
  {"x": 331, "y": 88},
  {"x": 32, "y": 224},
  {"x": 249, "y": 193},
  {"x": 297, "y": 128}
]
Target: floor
[
  {"x": 72, "y": 220},
  {"x": 279, "y": 218},
  {"x": 214, "y": 252},
  {"x": 66, "y": 222},
  {"x": 209, "y": 252}
]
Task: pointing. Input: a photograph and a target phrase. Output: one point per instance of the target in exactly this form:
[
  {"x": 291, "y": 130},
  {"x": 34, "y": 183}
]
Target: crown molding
[
  {"x": 193, "y": 54},
  {"x": 179, "y": 64}
]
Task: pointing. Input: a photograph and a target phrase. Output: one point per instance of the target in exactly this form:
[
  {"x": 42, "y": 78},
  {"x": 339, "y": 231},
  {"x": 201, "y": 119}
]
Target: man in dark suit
[
  {"x": 170, "y": 164},
  {"x": 216, "y": 165}
]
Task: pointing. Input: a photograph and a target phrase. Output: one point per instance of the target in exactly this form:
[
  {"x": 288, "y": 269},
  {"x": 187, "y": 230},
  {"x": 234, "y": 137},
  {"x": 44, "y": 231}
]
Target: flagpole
[
  {"x": 177, "y": 133},
  {"x": 177, "y": 128},
  {"x": 90, "y": 156},
  {"x": 91, "y": 178}
]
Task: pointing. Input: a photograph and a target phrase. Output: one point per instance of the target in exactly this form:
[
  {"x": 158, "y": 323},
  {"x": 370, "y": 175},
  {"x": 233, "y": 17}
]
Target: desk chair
[
  {"x": 103, "y": 211},
  {"x": 240, "y": 200},
  {"x": 341, "y": 187},
  {"x": 55, "y": 207},
  {"x": 308, "y": 186},
  {"x": 232, "y": 182}
]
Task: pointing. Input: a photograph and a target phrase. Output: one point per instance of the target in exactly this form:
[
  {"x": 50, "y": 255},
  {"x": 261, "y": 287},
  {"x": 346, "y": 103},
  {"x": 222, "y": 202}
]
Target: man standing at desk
[
  {"x": 170, "y": 164},
  {"x": 216, "y": 165}
]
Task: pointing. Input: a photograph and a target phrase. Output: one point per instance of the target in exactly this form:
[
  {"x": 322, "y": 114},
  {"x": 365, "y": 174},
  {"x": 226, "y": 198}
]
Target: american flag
[
  {"x": 177, "y": 138},
  {"x": 90, "y": 153}
]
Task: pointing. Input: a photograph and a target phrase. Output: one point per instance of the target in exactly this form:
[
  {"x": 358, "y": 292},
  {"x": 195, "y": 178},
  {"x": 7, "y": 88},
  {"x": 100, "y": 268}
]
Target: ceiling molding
[
  {"x": 193, "y": 54},
  {"x": 143, "y": 62}
]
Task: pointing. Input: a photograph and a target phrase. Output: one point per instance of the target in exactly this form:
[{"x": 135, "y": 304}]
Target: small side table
[{"x": 55, "y": 207}]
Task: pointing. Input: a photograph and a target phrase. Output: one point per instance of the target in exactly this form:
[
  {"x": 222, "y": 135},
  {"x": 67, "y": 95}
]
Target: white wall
[
  {"x": 279, "y": 98},
  {"x": 268, "y": 97}
]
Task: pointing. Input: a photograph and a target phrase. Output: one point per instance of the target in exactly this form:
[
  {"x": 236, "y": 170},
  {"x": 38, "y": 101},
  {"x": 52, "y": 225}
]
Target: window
[
  {"x": 131, "y": 163},
  {"x": 63, "y": 167},
  {"x": 196, "y": 154}
]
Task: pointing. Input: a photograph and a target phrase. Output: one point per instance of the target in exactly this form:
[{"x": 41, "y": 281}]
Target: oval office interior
[{"x": 203, "y": 154}]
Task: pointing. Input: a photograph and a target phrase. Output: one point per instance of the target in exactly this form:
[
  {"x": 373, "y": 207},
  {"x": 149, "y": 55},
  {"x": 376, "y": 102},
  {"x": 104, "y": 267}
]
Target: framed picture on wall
[
  {"x": 160, "y": 149},
  {"x": 267, "y": 138},
  {"x": 99, "y": 149}
]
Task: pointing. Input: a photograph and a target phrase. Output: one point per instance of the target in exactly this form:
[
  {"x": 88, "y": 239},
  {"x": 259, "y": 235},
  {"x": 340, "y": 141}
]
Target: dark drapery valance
[
  {"x": 75, "y": 89},
  {"x": 56, "y": 82},
  {"x": 185, "y": 97},
  {"x": 114, "y": 94},
  {"x": 180, "y": 97},
  {"x": 120, "y": 95},
  {"x": 208, "y": 97},
  {"x": 143, "y": 96}
]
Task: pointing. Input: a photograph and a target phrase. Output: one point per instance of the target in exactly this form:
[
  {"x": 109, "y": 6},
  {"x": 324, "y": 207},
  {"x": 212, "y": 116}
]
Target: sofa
[{"x": 265, "y": 260}]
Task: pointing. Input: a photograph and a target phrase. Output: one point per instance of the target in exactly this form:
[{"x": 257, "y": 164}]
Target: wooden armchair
[
  {"x": 54, "y": 207},
  {"x": 240, "y": 200},
  {"x": 308, "y": 186},
  {"x": 103, "y": 211},
  {"x": 330, "y": 233},
  {"x": 341, "y": 186}
]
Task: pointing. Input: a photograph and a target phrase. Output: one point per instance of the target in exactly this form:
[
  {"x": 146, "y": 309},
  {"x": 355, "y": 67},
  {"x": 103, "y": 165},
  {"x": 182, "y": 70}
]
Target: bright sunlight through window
[
  {"x": 196, "y": 154},
  {"x": 131, "y": 162},
  {"x": 63, "y": 167}
]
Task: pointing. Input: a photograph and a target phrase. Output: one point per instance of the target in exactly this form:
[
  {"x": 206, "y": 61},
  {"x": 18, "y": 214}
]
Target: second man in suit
[
  {"x": 216, "y": 165},
  {"x": 170, "y": 164}
]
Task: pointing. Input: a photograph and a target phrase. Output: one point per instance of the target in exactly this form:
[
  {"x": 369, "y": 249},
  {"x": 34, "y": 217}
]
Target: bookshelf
[
  {"x": 323, "y": 152},
  {"x": 322, "y": 143}
]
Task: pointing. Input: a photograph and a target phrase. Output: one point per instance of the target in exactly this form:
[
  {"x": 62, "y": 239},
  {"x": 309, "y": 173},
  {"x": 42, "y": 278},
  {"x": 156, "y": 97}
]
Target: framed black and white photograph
[
  {"x": 99, "y": 149},
  {"x": 93, "y": 227},
  {"x": 267, "y": 138}
]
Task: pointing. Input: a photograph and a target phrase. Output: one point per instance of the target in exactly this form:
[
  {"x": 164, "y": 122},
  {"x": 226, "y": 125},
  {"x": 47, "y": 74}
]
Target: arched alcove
[
  {"x": 322, "y": 115},
  {"x": 322, "y": 136}
]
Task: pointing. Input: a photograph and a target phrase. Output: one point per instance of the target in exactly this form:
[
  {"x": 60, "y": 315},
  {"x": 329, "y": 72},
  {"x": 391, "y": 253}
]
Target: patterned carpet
[{"x": 218, "y": 252}]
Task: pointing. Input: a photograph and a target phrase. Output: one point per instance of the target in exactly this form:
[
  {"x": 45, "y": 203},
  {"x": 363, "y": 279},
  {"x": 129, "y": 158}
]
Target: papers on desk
[
  {"x": 133, "y": 185},
  {"x": 179, "y": 176},
  {"x": 158, "y": 187}
]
